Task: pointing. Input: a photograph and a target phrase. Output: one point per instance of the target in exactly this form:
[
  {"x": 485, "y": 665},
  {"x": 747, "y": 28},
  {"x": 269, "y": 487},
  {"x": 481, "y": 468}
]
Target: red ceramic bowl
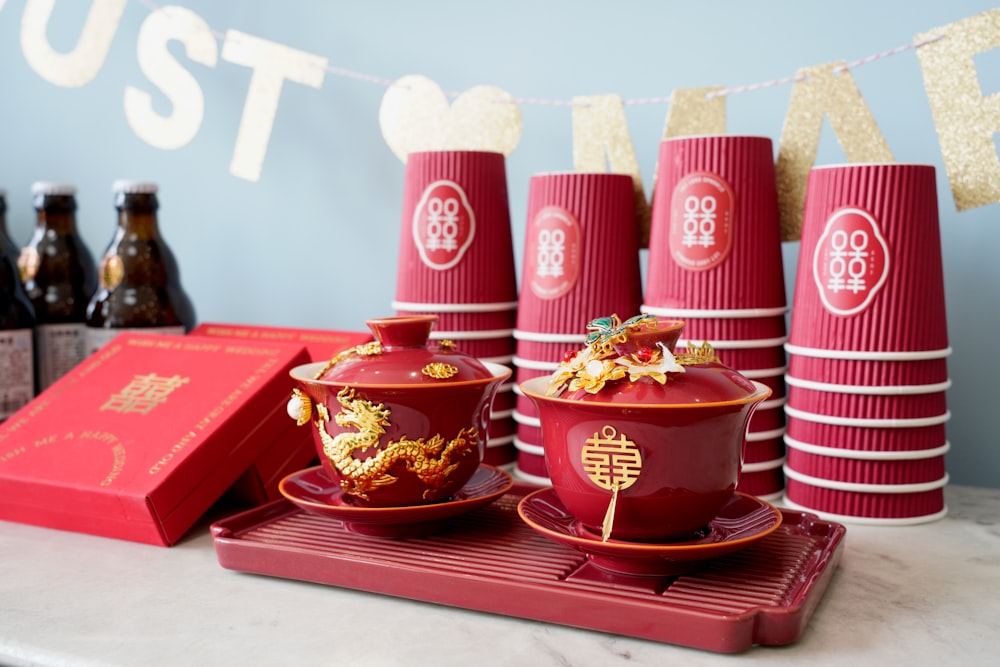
[
  {"x": 681, "y": 460},
  {"x": 398, "y": 422}
]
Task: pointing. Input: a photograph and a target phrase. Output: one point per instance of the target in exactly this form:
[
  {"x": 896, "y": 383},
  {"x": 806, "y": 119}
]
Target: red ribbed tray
[{"x": 490, "y": 560}]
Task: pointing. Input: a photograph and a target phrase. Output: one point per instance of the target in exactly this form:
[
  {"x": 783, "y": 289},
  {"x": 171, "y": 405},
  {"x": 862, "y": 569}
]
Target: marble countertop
[{"x": 925, "y": 594}]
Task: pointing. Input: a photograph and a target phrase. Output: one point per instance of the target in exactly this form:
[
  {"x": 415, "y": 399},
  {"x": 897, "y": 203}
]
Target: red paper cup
[
  {"x": 768, "y": 448},
  {"x": 867, "y": 406},
  {"x": 464, "y": 317},
  {"x": 743, "y": 356},
  {"x": 865, "y": 438},
  {"x": 581, "y": 253},
  {"x": 455, "y": 239},
  {"x": 817, "y": 462},
  {"x": 735, "y": 329},
  {"x": 504, "y": 401},
  {"x": 498, "y": 349},
  {"x": 774, "y": 378},
  {"x": 838, "y": 367},
  {"x": 529, "y": 429},
  {"x": 762, "y": 479},
  {"x": 902, "y": 504},
  {"x": 870, "y": 275},
  {"x": 769, "y": 417},
  {"x": 715, "y": 241},
  {"x": 549, "y": 351},
  {"x": 531, "y": 463},
  {"x": 500, "y": 455}
]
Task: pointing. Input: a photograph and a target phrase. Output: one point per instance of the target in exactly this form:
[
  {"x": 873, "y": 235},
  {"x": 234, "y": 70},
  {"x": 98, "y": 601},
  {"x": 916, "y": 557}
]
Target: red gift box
[
  {"x": 292, "y": 450},
  {"x": 141, "y": 438}
]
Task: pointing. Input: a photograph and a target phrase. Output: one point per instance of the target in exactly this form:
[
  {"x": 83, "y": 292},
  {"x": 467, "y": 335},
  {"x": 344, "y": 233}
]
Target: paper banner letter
[
  {"x": 160, "y": 67},
  {"x": 827, "y": 90},
  {"x": 965, "y": 120},
  {"x": 602, "y": 142},
  {"x": 415, "y": 116},
  {"x": 79, "y": 66},
  {"x": 272, "y": 63}
]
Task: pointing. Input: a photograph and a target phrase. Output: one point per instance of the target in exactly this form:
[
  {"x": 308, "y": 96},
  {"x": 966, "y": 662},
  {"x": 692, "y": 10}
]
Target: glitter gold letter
[
  {"x": 824, "y": 90},
  {"x": 965, "y": 120}
]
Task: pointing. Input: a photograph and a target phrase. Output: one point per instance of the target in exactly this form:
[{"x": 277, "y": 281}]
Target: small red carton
[
  {"x": 293, "y": 450},
  {"x": 140, "y": 439},
  {"x": 320, "y": 343}
]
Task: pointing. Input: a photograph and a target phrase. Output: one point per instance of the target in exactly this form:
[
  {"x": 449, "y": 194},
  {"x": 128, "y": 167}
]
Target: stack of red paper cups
[
  {"x": 715, "y": 262},
  {"x": 868, "y": 348},
  {"x": 456, "y": 260},
  {"x": 581, "y": 262}
]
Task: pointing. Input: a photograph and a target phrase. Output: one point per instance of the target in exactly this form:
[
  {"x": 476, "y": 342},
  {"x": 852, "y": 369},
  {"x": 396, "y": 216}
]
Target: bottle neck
[
  {"x": 137, "y": 215},
  {"x": 56, "y": 213}
]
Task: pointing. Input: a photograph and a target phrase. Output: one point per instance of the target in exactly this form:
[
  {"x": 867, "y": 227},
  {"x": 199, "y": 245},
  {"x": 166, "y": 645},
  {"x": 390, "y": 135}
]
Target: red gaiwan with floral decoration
[
  {"x": 398, "y": 422},
  {"x": 641, "y": 444}
]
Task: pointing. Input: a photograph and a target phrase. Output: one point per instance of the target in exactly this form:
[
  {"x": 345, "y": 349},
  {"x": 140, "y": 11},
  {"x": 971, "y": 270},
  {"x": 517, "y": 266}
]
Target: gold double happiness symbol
[{"x": 611, "y": 461}]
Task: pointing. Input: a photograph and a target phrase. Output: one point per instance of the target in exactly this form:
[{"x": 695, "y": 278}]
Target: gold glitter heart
[{"x": 415, "y": 116}]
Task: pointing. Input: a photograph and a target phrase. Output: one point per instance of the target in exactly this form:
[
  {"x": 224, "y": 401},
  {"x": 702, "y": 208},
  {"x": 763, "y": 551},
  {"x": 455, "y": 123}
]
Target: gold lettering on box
[{"x": 144, "y": 393}]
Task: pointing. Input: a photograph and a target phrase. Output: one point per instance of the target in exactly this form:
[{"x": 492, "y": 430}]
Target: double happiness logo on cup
[
  {"x": 553, "y": 252},
  {"x": 701, "y": 221},
  {"x": 443, "y": 225},
  {"x": 851, "y": 262}
]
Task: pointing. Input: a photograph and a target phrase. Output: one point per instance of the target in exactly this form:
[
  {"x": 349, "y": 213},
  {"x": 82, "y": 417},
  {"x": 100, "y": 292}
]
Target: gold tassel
[{"x": 609, "y": 516}]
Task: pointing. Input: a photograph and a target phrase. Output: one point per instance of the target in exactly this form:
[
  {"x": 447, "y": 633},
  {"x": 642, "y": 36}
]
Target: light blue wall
[{"x": 313, "y": 242}]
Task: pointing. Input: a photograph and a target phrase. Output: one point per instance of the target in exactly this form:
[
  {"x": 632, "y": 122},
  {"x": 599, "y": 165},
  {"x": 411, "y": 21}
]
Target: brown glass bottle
[
  {"x": 60, "y": 278},
  {"x": 139, "y": 285},
  {"x": 17, "y": 322}
]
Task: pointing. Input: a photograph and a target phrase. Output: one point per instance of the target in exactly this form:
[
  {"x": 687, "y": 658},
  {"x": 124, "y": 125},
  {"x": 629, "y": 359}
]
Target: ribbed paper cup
[
  {"x": 529, "y": 429},
  {"x": 855, "y": 368},
  {"x": 762, "y": 479},
  {"x": 524, "y": 405},
  {"x": 531, "y": 462},
  {"x": 500, "y": 454},
  {"x": 734, "y": 329},
  {"x": 505, "y": 400},
  {"x": 715, "y": 241},
  {"x": 464, "y": 316},
  {"x": 742, "y": 355},
  {"x": 581, "y": 252},
  {"x": 803, "y": 428},
  {"x": 883, "y": 504},
  {"x": 774, "y": 378},
  {"x": 868, "y": 406},
  {"x": 553, "y": 351},
  {"x": 769, "y": 417},
  {"x": 502, "y": 428},
  {"x": 870, "y": 275},
  {"x": 867, "y": 471},
  {"x": 764, "y": 446},
  {"x": 455, "y": 239}
]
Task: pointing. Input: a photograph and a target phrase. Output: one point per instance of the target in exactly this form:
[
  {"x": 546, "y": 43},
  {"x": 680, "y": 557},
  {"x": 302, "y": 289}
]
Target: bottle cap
[
  {"x": 46, "y": 188},
  {"x": 134, "y": 187}
]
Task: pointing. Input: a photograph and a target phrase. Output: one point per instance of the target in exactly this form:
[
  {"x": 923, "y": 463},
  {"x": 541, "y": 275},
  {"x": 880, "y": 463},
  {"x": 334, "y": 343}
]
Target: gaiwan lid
[
  {"x": 401, "y": 355},
  {"x": 633, "y": 362}
]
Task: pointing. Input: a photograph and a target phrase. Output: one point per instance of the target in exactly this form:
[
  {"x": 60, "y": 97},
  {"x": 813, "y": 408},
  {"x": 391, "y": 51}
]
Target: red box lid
[
  {"x": 140, "y": 439},
  {"x": 321, "y": 344}
]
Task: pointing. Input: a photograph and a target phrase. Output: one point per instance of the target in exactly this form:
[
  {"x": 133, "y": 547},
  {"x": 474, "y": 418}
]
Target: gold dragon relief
[{"x": 432, "y": 459}]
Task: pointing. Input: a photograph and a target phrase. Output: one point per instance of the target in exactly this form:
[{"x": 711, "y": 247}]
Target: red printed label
[
  {"x": 851, "y": 262},
  {"x": 443, "y": 225},
  {"x": 701, "y": 221},
  {"x": 553, "y": 251}
]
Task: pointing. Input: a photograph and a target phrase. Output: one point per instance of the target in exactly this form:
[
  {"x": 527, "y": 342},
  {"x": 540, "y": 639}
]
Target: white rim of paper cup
[
  {"x": 865, "y": 355},
  {"x": 506, "y": 386},
  {"x": 773, "y": 497},
  {"x": 483, "y": 334},
  {"x": 831, "y": 420},
  {"x": 867, "y": 455},
  {"x": 761, "y": 436},
  {"x": 773, "y": 403},
  {"x": 542, "y": 337},
  {"x": 534, "y": 450},
  {"x": 866, "y": 520},
  {"x": 858, "y": 487},
  {"x": 521, "y": 418},
  {"x": 501, "y": 414},
  {"x": 529, "y": 478},
  {"x": 762, "y": 466},
  {"x": 727, "y": 313},
  {"x": 869, "y": 390},
  {"x": 453, "y": 307},
  {"x": 502, "y": 441},
  {"x": 748, "y": 344},
  {"x": 757, "y": 373},
  {"x": 532, "y": 364},
  {"x": 505, "y": 360}
]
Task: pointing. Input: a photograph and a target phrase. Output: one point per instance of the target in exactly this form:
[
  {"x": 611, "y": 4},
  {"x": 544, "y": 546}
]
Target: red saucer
[
  {"x": 314, "y": 491},
  {"x": 742, "y": 522}
]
